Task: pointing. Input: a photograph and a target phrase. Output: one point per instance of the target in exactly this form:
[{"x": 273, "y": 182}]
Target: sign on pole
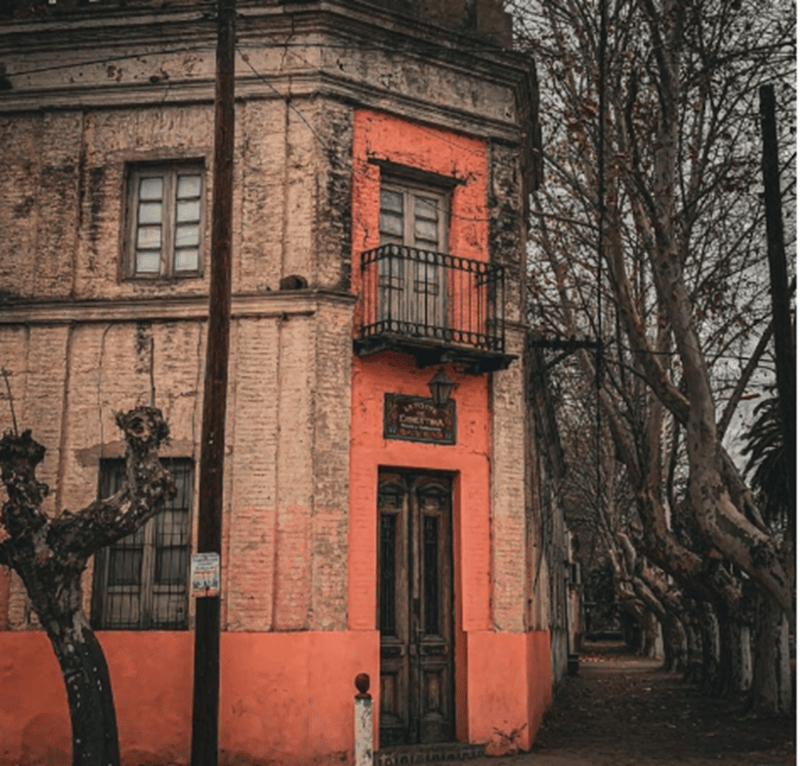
[{"x": 205, "y": 574}]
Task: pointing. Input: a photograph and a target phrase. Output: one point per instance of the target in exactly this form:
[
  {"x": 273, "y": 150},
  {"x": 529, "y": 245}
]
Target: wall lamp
[{"x": 440, "y": 387}]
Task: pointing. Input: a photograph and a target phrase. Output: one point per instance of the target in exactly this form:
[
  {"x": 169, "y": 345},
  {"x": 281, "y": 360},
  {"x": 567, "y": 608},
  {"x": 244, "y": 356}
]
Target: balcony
[{"x": 438, "y": 308}]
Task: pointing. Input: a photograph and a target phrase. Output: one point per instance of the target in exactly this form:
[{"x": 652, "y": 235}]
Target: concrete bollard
[{"x": 363, "y": 722}]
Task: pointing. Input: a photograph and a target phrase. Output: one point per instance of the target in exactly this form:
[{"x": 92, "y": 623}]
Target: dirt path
[{"x": 623, "y": 711}]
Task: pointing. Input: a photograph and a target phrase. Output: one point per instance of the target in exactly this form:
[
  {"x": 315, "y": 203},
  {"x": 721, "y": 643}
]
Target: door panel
[{"x": 415, "y": 598}]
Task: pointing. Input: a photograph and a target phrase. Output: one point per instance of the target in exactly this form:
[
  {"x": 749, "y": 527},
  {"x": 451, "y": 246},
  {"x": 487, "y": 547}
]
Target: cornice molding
[
  {"x": 174, "y": 309},
  {"x": 108, "y": 30}
]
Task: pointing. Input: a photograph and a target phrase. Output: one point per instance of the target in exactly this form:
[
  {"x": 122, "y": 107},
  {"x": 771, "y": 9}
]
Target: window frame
[
  {"x": 411, "y": 189},
  {"x": 414, "y": 291},
  {"x": 144, "y": 590},
  {"x": 169, "y": 170}
]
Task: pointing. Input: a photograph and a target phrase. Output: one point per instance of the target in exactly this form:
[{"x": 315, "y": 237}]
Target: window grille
[{"x": 140, "y": 582}]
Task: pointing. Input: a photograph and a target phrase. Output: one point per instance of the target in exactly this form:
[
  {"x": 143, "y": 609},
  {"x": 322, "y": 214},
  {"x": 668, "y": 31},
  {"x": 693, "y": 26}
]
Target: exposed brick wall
[
  {"x": 258, "y": 256},
  {"x": 331, "y": 466},
  {"x": 334, "y": 128},
  {"x": 509, "y": 559},
  {"x": 250, "y": 533},
  {"x": 287, "y": 442}
]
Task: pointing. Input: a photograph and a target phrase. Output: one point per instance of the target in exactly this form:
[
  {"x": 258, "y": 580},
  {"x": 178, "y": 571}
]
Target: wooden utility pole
[
  {"x": 205, "y": 699},
  {"x": 779, "y": 282}
]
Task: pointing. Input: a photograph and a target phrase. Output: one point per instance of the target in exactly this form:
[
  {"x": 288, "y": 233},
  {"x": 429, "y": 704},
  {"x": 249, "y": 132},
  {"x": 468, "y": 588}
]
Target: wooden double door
[{"x": 415, "y": 607}]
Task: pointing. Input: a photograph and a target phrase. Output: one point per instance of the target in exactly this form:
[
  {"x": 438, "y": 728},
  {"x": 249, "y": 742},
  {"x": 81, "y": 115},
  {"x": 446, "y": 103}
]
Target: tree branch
[{"x": 147, "y": 486}]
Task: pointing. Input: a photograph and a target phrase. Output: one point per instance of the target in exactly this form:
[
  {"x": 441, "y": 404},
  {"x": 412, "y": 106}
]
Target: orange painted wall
[
  {"x": 540, "y": 677},
  {"x": 5, "y": 595},
  {"x": 150, "y": 678},
  {"x": 498, "y": 691},
  {"x": 383, "y": 137},
  {"x": 378, "y": 136},
  {"x": 285, "y": 697},
  {"x": 502, "y": 680},
  {"x": 509, "y": 681},
  {"x": 288, "y": 697}
]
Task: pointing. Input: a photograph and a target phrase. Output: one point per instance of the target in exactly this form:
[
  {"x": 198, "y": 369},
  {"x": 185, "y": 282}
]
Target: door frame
[{"x": 413, "y": 632}]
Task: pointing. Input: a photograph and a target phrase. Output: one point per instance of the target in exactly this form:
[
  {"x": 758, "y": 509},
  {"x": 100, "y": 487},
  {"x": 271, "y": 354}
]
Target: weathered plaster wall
[
  {"x": 508, "y": 224},
  {"x": 287, "y": 439},
  {"x": 540, "y": 681},
  {"x": 510, "y": 570},
  {"x": 64, "y": 208},
  {"x": 294, "y": 488}
]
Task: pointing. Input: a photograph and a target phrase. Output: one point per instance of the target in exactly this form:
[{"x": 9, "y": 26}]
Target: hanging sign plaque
[{"x": 417, "y": 419}]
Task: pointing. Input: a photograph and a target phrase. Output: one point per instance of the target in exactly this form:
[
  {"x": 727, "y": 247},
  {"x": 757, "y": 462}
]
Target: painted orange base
[
  {"x": 540, "y": 678},
  {"x": 284, "y": 697},
  {"x": 509, "y": 688}
]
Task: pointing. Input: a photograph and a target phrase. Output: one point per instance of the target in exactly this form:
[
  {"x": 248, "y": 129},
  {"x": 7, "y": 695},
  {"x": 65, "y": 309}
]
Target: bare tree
[
  {"x": 50, "y": 555},
  {"x": 677, "y": 236}
]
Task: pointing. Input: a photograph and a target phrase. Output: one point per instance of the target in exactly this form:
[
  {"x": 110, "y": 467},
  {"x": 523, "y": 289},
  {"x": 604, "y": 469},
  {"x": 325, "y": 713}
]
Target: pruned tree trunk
[
  {"x": 91, "y": 702},
  {"x": 741, "y": 658},
  {"x": 652, "y": 646},
  {"x": 709, "y": 636},
  {"x": 50, "y": 555},
  {"x": 694, "y": 670},
  {"x": 772, "y": 688},
  {"x": 675, "y": 645}
]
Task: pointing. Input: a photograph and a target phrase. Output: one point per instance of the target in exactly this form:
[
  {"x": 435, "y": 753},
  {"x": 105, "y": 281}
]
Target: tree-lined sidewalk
[{"x": 622, "y": 710}]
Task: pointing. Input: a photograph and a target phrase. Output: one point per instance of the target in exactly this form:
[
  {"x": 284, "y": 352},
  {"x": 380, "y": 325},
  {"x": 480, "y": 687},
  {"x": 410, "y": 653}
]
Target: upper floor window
[
  {"x": 166, "y": 220},
  {"x": 412, "y": 283},
  {"x": 413, "y": 216},
  {"x": 141, "y": 581}
]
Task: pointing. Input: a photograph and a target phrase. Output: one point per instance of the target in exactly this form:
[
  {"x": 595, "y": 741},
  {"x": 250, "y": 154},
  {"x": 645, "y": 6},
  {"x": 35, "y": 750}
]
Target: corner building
[{"x": 381, "y": 510}]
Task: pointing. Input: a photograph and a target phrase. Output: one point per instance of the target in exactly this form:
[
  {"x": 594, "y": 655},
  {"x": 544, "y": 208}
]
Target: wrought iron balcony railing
[{"x": 434, "y": 306}]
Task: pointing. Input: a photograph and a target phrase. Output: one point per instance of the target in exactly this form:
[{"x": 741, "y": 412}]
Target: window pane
[
  {"x": 387, "y": 576},
  {"x": 426, "y": 232},
  {"x": 181, "y": 471},
  {"x": 151, "y": 188},
  {"x": 122, "y": 609},
  {"x": 148, "y": 237},
  {"x": 392, "y": 200},
  {"x": 125, "y": 566},
  {"x": 169, "y": 611},
  {"x": 430, "y": 533},
  {"x": 148, "y": 261},
  {"x": 187, "y": 235},
  {"x": 187, "y": 260},
  {"x": 188, "y": 210},
  {"x": 426, "y": 207},
  {"x": 391, "y": 224},
  {"x": 171, "y": 565},
  {"x": 172, "y": 527},
  {"x": 149, "y": 212},
  {"x": 426, "y": 222},
  {"x": 189, "y": 186}
]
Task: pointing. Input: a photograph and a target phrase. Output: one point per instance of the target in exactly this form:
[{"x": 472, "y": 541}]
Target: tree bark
[
  {"x": 772, "y": 689},
  {"x": 91, "y": 701},
  {"x": 741, "y": 658}
]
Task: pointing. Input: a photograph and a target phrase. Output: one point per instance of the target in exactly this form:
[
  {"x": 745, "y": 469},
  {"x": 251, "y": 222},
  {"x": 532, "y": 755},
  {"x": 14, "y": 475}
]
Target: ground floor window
[{"x": 140, "y": 582}]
